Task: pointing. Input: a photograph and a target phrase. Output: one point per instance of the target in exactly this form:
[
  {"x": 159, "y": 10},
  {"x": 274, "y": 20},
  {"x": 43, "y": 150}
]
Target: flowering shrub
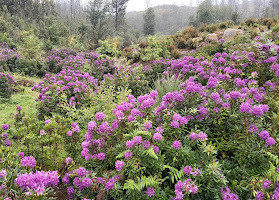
[
  {"x": 36, "y": 183},
  {"x": 90, "y": 62},
  {"x": 75, "y": 86},
  {"x": 209, "y": 134},
  {"x": 8, "y": 57},
  {"x": 6, "y": 82}
]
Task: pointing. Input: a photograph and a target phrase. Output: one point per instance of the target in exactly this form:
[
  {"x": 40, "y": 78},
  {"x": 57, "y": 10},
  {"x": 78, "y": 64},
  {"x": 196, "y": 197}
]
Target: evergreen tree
[
  {"x": 98, "y": 14},
  {"x": 205, "y": 13},
  {"x": 149, "y": 22},
  {"x": 118, "y": 10}
]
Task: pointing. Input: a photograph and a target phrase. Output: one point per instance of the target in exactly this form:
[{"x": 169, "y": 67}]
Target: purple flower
[
  {"x": 137, "y": 139},
  {"x": 100, "y": 116},
  {"x": 264, "y": 134},
  {"x": 216, "y": 110},
  {"x": 195, "y": 172},
  {"x": 81, "y": 171},
  {"x": 20, "y": 154},
  {"x": 270, "y": 141},
  {"x": 47, "y": 121},
  {"x": 70, "y": 133},
  {"x": 245, "y": 107},
  {"x": 68, "y": 160},
  {"x": 110, "y": 184},
  {"x": 128, "y": 155},
  {"x": 145, "y": 144},
  {"x": 118, "y": 165},
  {"x": 28, "y": 161},
  {"x": 8, "y": 142},
  {"x": 183, "y": 120},
  {"x": 18, "y": 108},
  {"x": 266, "y": 184},
  {"x": 176, "y": 145},
  {"x": 193, "y": 136},
  {"x": 3, "y": 173},
  {"x": 42, "y": 132},
  {"x": 5, "y": 126},
  {"x": 175, "y": 124},
  {"x": 259, "y": 195},
  {"x": 159, "y": 130},
  {"x": 253, "y": 128},
  {"x": 70, "y": 191},
  {"x": 147, "y": 125},
  {"x": 101, "y": 156},
  {"x": 150, "y": 191},
  {"x": 157, "y": 137},
  {"x": 92, "y": 125},
  {"x": 155, "y": 149},
  {"x": 37, "y": 181},
  {"x": 86, "y": 182},
  {"x": 129, "y": 144},
  {"x": 176, "y": 117},
  {"x": 257, "y": 111},
  {"x": 215, "y": 96},
  {"x": 154, "y": 94},
  {"x": 202, "y": 136},
  {"x": 187, "y": 170},
  {"x": 234, "y": 95}
]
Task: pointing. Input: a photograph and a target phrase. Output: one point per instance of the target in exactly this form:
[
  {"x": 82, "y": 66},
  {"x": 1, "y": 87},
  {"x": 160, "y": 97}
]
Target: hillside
[{"x": 87, "y": 112}]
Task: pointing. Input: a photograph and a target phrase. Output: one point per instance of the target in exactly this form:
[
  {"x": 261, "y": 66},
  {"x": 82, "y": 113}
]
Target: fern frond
[
  {"x": 174, "y": 173},
  {"x": 150, "y": 152},
  {"x": 273, "y": 157},
  {"x": 142, "y": 182}
]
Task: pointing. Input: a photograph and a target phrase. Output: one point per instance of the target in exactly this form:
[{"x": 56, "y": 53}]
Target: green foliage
[
  {"x": 205, "y": 12},
  {"x": 30, "y": 67},
  {"x": 141, "y": 183},
  {"x": 167, "y": 84},
  {"x": 98, "y": 16},
  {"x": 6, "y": 82},
  {"x": 156, "y": 49},
  {"x": 149, "y": 22},
  {"x": 31, "y": 46},
  {"x": 109, "y": 48}
]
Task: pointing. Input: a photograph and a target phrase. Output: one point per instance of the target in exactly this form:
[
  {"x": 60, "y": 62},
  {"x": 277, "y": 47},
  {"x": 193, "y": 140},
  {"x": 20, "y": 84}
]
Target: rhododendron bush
[{"x": 213, "y": 136}]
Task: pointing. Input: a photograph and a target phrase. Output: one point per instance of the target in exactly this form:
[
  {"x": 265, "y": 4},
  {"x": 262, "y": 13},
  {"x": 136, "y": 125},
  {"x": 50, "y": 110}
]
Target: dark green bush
[
  {"x": 31, "y": 67},
  {"x": 5, "y": 85}
]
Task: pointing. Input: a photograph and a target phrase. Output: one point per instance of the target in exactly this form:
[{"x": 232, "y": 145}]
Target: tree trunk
[{"x": 116, "y": 15}]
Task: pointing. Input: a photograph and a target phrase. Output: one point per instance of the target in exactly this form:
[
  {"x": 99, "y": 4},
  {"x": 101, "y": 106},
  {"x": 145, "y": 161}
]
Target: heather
[{"x": 199, "y": 126}]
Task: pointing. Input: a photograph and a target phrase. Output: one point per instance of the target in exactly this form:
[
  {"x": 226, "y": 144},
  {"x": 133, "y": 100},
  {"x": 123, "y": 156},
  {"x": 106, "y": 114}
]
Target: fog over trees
[{"x": 99, "y": 19}]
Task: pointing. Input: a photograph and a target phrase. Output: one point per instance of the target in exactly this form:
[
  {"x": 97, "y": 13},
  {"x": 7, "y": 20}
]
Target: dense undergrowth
[{"x": 203, "y": 126}]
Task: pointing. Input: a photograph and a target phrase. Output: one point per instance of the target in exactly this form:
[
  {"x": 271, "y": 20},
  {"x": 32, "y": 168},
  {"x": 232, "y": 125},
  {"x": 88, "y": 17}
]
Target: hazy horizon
[{"x": 139, "y": 5}]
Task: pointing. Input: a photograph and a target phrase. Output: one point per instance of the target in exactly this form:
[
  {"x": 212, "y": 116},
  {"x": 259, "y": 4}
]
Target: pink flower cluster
[
  {"x": 75, "y": 129},
  {"x": 188, "y": 170},
  {"x": 38, "y": 182},
  {"x": 201, "y": 136},
  {"x": 269, "y": 141},
  {"x": 28, "y": 161},
  {"x": 227, "y": 195},
  {"x": 187, "y": 186},
  {"x": 76, "y": 85}
]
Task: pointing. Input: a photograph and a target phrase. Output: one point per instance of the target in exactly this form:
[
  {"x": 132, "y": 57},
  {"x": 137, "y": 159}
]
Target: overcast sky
[{"x": 138, "y": 5}]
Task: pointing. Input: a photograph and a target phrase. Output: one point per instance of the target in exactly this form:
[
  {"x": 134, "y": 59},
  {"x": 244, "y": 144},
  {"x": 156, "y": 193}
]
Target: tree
[
  {"x": 147, "y": 4},
  {"x": 98, "y": 14},
  {"x": 119, "y": 10},
  {"x": 274, "y": 5},
  {"x": 205, "y": 13},
  {"x": 149, "y": 22}
]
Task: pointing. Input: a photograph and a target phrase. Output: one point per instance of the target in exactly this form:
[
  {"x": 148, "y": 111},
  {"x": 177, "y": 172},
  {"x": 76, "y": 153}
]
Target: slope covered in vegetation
[{"x": 187, "y": 116}]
